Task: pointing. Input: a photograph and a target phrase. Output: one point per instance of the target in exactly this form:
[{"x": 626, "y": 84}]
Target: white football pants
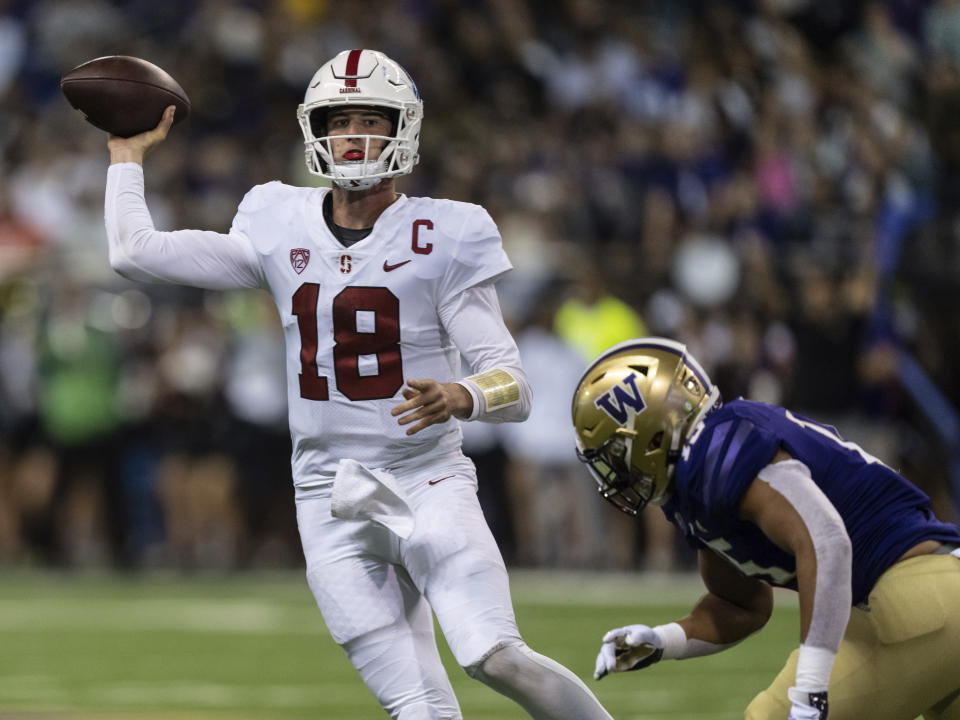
[{"x": 375, "y": 590}]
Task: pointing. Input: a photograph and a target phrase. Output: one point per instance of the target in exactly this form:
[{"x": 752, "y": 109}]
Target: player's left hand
[{"x": 429, "y": 402}]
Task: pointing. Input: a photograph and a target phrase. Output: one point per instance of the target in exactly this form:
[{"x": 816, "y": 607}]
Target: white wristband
[
  {"x": 813, "y": 667},
  {"x": 674, "y": 640}
]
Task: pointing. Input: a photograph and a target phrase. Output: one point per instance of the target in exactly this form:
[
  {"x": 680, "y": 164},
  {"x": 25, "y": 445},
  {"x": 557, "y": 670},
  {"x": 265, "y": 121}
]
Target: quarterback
[
  {"x": 771, "y": 498},
  {"x": 379, "y": 295}
]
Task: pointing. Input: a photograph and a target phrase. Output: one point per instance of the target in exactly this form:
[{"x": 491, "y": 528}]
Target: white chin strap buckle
[
  {"x": 350, "y": 175},
  {"x": 365, "y": 184}
]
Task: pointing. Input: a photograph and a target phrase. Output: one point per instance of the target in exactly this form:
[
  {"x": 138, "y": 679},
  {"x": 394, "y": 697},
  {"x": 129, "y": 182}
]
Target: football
[{"x": 123, "y": 95}]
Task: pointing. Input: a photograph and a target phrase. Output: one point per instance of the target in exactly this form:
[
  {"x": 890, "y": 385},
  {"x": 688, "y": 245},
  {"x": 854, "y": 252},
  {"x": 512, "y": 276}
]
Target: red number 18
[{"x": 350, "y": 343}]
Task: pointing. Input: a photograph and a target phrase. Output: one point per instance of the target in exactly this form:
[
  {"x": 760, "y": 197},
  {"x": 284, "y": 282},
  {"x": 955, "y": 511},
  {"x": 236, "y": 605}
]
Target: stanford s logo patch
[
  {"x": 621, "y": 399},
  {"x": 346, "y": 264},
  {"x": 299, "y": 257}
]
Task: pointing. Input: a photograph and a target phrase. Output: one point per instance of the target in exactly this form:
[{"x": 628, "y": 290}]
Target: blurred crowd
[{"x": 772, "y": 182}]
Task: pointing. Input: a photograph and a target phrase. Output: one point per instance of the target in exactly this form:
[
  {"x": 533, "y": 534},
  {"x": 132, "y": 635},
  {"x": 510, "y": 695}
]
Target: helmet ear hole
[{"x": 655, "y": 442}]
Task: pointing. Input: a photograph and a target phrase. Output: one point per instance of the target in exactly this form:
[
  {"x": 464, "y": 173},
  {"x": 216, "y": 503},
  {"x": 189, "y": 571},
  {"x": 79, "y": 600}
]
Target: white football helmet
[{"x": 357, "y": 79}]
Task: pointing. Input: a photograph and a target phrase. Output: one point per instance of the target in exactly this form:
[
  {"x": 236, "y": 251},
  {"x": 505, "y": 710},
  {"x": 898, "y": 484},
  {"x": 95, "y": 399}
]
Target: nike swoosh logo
[
  {"x": 434, "y": 482},
  {"x": 387, "y": 267}
]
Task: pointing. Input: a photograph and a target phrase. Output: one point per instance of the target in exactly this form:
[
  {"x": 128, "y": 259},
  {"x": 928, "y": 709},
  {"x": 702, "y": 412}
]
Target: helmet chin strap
[
  {"x": 712, "y": 401},
  {"x": 350, "y": 175}
]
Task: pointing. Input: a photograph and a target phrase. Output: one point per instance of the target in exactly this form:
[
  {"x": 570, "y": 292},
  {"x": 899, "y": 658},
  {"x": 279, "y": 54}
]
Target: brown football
[{"x": 123, "y": 95}]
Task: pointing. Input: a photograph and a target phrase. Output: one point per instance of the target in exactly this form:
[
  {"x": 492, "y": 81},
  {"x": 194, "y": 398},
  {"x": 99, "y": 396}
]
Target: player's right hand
[
  {"x": 431, "y": 402},
  {"x": 632, "y": 647},
  {"x": 132, "y": 149}
]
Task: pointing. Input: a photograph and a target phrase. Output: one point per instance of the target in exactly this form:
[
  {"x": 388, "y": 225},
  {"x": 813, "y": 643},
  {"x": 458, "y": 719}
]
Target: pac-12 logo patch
[
  {"x": 618, "y": 401},
  {"x": 299, "y": 257}
]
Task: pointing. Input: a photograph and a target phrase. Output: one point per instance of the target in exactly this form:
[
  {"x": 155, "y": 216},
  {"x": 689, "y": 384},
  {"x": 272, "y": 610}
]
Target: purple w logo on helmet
[{"x": 616, "y": 401}]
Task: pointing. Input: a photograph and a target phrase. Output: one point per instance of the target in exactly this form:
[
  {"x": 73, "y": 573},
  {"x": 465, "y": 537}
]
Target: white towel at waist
[{"x": 363, "y": 494}]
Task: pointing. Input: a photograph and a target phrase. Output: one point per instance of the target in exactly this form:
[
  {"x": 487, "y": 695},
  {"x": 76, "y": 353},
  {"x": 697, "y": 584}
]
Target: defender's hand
[
  {"x": 132, "y": 149},
  {"x": 807, "y": 704},
  {"x": 633, "y": 647},
  {"x": 431, "y": 403}
]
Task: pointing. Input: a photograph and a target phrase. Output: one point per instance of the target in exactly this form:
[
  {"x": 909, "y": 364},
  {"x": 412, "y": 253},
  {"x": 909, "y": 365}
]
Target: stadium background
[{"x": 771, "y": 182}]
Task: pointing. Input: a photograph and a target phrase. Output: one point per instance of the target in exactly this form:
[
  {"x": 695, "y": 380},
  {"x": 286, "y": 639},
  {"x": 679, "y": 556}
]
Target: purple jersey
[{"x": 883, "y": 513}]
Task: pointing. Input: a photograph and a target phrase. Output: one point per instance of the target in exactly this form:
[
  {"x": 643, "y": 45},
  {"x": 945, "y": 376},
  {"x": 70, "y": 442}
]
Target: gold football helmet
[{"x": 632, "y": 411}]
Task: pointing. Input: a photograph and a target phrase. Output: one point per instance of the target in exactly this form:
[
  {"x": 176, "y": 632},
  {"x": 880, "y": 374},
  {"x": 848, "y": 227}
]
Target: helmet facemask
[
  {"x": 397, "y": 156},
  {"x": 610, "y": 467}
]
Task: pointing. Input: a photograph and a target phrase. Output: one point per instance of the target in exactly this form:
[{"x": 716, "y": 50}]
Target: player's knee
[
  {"x": 514, "y": 667},
  {"x": 501, "y": 663},
  {"x": 541, "y": 686}
]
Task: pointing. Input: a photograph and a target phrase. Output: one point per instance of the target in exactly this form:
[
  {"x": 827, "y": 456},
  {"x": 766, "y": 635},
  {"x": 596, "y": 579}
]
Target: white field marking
[
  {"x": 162, "y": 694},
  {"x": 26, "y": 688},
  {"x": 28, "y": 685},
  {"x": 26, "y": 680},
  {"x": 170, "y": 693},
  {"x": 212, "y": 695},
  {"x": 193, "y": 615},
  {"x": 548, "y": 587},
  {"x": 312, "y": 695},
  {"x": 686, "y": 715},
  {"x": 259, "y": 615},
  {"x": 551, "y": 587}
]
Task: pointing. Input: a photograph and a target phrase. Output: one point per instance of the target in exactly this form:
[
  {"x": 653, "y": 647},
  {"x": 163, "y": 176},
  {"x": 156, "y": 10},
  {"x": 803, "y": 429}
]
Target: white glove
[
  {"x": 808, "y": 704},
  {"x": 628, "y": 648}
]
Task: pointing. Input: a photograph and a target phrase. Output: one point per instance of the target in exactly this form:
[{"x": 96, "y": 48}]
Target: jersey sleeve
[
  {"x": 479, "y": 255},
  {"x": 258, "y": 216},
  {"x": 475, "y": 324},
  {"x": 199, "y": 258},
  {"x": 737, "y": 450}
]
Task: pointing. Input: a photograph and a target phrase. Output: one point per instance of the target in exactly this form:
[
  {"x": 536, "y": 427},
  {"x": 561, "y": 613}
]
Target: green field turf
[{"x": 251, "y": 647}]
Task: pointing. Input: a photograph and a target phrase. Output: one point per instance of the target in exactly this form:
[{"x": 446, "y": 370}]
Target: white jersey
[{"x": 358, "y": 321}]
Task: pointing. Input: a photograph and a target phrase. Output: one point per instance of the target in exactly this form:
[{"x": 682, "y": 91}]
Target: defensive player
[
  {"x": 377, "y": 293},
  {"x": 772, "y": 498}
]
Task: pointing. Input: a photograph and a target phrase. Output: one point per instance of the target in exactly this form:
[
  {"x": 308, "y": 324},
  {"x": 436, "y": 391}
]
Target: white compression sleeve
[
  {"x": 834, "y": 590},
  {"x": 541, "y": 686},
  {"x": 138, "y": 251},
  {"x": 500, "y": 390},
  {"x": 676, "y": 645}
]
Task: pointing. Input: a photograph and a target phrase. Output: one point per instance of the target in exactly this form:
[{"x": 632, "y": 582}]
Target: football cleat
[
  {"x": 359, "y": 79},
  {"x": 632, "y": 411}
]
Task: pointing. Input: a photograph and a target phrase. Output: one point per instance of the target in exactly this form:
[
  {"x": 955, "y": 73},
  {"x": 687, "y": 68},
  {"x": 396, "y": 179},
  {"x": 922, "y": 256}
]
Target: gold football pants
[{"x": 900, "y": 658}]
